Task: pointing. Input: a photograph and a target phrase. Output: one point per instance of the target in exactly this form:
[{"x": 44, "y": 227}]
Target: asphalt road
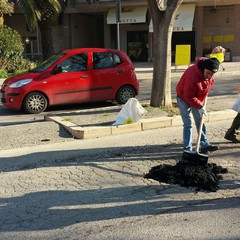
[{"x": 94, "y": 189}]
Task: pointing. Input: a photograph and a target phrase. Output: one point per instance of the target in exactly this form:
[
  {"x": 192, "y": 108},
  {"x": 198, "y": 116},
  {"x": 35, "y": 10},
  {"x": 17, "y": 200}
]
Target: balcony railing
[
  {"x": 74, "y": 2},
  {"x": 77, "y": 2}
]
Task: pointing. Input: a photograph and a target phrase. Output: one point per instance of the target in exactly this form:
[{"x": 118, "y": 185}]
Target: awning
[
  {"x": 184, "y": 19},
  {"x": 128, "y": 15}
]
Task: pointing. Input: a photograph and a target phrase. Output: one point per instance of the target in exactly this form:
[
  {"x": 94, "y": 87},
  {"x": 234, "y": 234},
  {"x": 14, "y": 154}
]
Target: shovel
[{"x": 197, "y": 158}]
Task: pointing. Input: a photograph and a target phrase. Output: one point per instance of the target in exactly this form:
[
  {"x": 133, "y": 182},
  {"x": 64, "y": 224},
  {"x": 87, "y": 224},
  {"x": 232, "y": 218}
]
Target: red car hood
[{"x": 21, "y": 76}]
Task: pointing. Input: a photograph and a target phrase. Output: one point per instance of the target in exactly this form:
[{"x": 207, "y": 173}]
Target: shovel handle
[{"x": 200, "y": 128}]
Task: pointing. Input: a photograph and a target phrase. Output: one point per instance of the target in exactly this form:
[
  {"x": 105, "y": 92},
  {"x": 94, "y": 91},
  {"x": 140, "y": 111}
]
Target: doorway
[{"x": 137, "y": 46}]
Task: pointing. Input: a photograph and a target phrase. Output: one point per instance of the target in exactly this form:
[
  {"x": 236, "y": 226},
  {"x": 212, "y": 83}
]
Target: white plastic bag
[
  {"x": 236, "y": 105},
  {"x": 131, "y": 112}
]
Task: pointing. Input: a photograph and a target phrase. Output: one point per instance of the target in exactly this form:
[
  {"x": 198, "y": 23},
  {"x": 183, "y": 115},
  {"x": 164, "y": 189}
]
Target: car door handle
[
  {"x": 119, "y": 71},
  {"x": 84, "y": 76}
]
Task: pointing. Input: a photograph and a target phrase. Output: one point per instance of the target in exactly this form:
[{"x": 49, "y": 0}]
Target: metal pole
[
  {"x": 118, "y": 20},
  {"x": 118, "y": 37}
]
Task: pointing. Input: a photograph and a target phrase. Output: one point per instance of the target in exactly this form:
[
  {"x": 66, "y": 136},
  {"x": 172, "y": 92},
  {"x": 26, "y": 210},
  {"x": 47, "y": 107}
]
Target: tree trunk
[
  {"x": 46, "y": 39},
  {"x": 163, "y": 25}
]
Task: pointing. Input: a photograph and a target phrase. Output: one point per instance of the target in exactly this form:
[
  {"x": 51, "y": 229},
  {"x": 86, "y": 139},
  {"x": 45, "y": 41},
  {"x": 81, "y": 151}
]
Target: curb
[{"x": 79, "y": 132}]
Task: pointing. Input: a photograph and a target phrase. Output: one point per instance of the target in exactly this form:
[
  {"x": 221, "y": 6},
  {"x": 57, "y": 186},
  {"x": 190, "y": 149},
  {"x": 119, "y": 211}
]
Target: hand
[
  {"x": 219, "y": 49},
  {"x": 202, "y": 111}
]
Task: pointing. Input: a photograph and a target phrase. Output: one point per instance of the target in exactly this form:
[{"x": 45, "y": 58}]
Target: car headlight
[{"x": 20, "y": 83}]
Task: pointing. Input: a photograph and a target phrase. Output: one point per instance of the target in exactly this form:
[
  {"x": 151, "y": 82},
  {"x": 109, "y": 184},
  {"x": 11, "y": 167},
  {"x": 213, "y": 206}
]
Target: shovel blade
[{"x": 195, "y": 158}]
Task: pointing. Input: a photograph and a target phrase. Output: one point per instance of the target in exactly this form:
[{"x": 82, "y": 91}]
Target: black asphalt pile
[{"x": 204, "y": 177}]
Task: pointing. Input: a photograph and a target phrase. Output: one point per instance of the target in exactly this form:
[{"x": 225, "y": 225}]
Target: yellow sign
[
  {"x": 228, "y": 38},
  {"x": 207, "y": 39},
  {"x": 183, "y": 55},
  {"x": 218, "y": 38}
]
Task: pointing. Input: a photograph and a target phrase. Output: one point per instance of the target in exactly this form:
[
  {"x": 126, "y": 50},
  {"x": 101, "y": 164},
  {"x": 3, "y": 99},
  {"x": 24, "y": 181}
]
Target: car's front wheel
[
  {"x": 124, "y": 93},
  {"x": 35, "y": 102}
]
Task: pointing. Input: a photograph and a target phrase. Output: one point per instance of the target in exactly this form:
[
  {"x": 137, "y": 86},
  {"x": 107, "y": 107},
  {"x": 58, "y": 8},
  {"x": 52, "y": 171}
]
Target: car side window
[
  {"x": 75, "y": 63},
  {"x": 105, "y": 60}
]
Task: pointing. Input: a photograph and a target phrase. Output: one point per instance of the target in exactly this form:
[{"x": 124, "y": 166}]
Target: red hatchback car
[{"x": 73, "y": 76}]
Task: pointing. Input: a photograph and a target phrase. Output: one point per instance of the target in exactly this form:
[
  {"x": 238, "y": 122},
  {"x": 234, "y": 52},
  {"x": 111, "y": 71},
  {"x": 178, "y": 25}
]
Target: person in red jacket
[{"x": 192, "y": 90}]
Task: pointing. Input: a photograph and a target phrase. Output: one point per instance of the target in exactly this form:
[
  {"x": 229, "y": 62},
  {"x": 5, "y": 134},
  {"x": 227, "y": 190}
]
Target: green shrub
[
  {"x": 11, "y": 50},
  {"x": 19, "y": 64},
  {"x": 3, "y": 73}
]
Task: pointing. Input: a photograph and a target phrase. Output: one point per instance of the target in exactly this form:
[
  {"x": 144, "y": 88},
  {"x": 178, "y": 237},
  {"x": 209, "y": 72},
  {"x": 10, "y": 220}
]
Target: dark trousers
[{"x": 234, "y": 130}]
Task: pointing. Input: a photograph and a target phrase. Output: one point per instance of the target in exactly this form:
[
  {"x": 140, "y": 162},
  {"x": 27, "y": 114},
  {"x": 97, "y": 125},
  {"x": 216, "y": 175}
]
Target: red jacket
[{"x": 192, "y": 87}]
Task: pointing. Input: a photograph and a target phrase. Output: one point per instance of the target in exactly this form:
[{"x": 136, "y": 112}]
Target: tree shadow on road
[
  {"x": 45, "y": 210},
  {"x": 85, "y": 157}
]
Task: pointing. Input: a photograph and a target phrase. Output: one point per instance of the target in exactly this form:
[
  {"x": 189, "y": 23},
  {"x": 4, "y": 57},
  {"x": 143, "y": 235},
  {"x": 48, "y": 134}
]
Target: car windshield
[{"x": 47, "y": 63}]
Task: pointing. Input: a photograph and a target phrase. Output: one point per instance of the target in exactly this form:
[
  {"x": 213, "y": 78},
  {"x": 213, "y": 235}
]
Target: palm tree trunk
[{"x": 46, "y": 39}]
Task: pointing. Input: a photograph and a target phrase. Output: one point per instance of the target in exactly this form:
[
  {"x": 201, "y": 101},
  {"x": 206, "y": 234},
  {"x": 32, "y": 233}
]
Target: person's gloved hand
[{"x": 202, "y": 111}]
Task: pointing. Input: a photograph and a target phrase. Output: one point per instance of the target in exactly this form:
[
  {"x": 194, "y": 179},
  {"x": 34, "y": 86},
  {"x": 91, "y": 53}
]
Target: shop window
[{"x": 137, "y": 43}]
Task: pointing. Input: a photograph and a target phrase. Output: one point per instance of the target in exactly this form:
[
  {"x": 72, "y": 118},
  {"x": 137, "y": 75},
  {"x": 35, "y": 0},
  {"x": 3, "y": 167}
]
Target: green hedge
[{"x": 11, "y": 51}]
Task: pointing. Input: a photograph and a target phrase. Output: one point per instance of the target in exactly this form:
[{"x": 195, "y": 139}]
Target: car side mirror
[{"x": 56, "y": 70}]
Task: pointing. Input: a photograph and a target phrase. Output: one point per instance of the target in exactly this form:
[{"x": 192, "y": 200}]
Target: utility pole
[{"x": 118, "y": 20}]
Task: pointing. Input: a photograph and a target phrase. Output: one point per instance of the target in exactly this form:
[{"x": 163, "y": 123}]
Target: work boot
[
  {"x": 232, "y": 138},
  {"x": 210, "y": 148}
]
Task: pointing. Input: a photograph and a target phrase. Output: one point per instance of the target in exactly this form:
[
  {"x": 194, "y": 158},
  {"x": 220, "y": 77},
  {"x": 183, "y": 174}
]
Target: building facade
[{"x": 202, "y": 24}]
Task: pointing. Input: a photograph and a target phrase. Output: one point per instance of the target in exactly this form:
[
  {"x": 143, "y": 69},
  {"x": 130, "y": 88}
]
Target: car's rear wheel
[
  {"x": 124, "y": 93},
  {"x": 35, "y": 102}
]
